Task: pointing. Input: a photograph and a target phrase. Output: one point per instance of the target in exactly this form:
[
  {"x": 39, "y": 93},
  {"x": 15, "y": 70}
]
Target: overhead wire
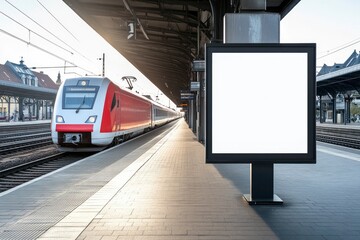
[
  {"x": 34, "y": 45},
  {"x": 335, "y": 48},
  {"x": 44, "y": 50},
  {"x": 342, "y": 47},
  {"x": 45, "y": 29},
  {"x": 37, "y": 34},
  {"x": 57, "y": 20},
  {"x": 41, "y": 48}
]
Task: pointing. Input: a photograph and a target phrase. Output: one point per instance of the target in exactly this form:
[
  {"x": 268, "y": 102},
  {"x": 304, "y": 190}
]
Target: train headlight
[
  {"x": 91, "y": 119},
  {"x": 59, "y": 119}
]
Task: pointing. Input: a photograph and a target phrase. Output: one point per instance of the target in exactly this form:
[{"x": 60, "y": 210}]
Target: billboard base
[{"x": 275, "y": 200}]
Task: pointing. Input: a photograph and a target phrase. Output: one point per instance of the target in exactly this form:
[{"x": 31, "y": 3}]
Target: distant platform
[
  {"x": 339, "y": 125},
  {"x": 24, "y": 123}
]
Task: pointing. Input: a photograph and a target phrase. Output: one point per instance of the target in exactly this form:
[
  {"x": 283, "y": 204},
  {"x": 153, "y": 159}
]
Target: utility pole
[{"x": 103, "y": 64}]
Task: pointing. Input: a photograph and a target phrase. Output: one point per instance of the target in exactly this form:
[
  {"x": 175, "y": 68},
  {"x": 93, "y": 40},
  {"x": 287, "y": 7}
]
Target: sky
[
  {"x": 332, "y": 24},
  {"x": 47, "y": 33}
]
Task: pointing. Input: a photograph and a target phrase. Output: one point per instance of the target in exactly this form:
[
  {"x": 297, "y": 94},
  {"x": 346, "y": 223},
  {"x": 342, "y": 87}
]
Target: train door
[
  {"x": 152, "y": 115},
  {"x": 118, "y": 112}
]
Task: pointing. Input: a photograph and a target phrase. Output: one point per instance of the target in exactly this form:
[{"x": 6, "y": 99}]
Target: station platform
[
  {"x": 160, "y": 188},
  {"x": 24, "y": 123}
]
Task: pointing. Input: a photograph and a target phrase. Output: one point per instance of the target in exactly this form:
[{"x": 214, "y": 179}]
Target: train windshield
[{"x": 79, "y": 97}]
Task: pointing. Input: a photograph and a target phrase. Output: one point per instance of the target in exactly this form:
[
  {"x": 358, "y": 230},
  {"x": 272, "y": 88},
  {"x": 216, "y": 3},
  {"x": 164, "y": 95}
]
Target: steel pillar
[
  {"x": 201, "y": 134},
  {"x": 334, "y": 109},
  {"x": 347, "y": 114},
  {"x": 21, "y": 109},
  {"x": 321, "y": 109}
]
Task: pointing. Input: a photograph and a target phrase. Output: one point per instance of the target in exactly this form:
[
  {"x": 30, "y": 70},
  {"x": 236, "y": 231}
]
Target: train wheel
[{"x": 116, "y": 141}]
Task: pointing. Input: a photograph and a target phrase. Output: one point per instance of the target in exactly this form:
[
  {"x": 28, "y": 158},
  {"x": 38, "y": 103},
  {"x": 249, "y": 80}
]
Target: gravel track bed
[{"x": 12, "y": 160}]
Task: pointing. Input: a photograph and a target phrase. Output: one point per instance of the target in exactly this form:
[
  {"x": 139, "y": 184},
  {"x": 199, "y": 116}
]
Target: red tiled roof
[
  {"x": 6, "y": 74},
  {"x": 45, "y": 81}
]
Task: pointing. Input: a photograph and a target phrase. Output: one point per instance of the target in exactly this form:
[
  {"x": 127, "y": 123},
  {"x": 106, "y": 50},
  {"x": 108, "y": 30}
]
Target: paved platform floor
[{"x": 168, "y": 192}]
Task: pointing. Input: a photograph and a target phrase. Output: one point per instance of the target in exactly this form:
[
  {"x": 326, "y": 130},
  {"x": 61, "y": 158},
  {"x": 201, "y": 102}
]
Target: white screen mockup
[{"x": 260, "y": 103}]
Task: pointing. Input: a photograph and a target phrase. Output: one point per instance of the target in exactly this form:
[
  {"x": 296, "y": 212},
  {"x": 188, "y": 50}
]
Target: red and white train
[{"x": 93, "y": 113}]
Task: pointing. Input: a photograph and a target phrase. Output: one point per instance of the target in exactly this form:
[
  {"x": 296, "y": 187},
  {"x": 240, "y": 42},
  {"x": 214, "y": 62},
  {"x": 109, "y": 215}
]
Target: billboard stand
[
  {"x": 238, "y": 132},
  {"x": 252, "y": 60},
  {"x": 256, "y": 28},
  {"x": 262, "y": 185}
]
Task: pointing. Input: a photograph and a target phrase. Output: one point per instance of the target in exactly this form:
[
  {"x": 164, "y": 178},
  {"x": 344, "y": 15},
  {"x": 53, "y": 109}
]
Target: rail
[{"x": 349, "y": 137}]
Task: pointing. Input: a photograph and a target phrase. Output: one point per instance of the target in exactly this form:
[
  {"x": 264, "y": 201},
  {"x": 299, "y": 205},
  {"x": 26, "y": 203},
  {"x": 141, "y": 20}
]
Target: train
[{"x": 92, "y": 113}]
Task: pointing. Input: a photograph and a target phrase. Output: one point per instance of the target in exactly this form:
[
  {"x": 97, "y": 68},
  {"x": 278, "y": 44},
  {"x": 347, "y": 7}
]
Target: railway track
[
  {"x": 17, "y": 175},
  {"x": 23, "y": 127},
  {"x": 16, "y": 146},
  {"x": 15, "y": 138},
  {"x": 338, "y": 135},
  {"x": 23, "y": 137}
]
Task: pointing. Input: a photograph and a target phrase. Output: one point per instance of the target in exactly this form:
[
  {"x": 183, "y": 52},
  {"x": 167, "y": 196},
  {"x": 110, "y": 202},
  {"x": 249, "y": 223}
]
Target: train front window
[{"x": 79, "y": 97}]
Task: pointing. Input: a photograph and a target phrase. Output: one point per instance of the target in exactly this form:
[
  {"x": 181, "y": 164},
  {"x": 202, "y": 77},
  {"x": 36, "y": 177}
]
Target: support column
[
  {"x": 191, "y": 114},
  {"x": 21, "y": 109},
  {"x": 194, "y": 115},
  {"x": 256, "y": 27},
  {"x": 347, "y": 110},
  {"x": 202, "y": 110},
  {"x": 9, "y": 110},
  {"x": 262, "y": 185},
  {"x": 46, "y": 109},
  {"x": 320, "y": 110},
  {"x": 30, "y": 112},
  {"x": 334, "y": 109},
  {"x": 37, "y": 110},
  {"x": 51, "y": 109}
]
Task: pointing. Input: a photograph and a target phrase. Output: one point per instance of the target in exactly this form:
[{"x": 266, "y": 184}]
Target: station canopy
[
  {"x": 169, "y": 34},
  {"x": 340, "y": 78}
]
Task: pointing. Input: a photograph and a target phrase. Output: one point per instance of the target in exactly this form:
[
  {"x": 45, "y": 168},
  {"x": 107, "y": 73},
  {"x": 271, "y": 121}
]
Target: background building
[{"x": 25, "y": 95}]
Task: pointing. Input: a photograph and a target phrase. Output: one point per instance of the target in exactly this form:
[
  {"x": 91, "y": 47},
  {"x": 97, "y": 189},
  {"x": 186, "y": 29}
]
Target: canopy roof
[{"x": 169, "y": 34}]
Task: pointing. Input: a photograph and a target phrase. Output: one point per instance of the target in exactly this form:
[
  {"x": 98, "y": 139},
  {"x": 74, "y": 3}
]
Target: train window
[
  {"x": 79, "y": 97},
  {"x": 160, "y": 113},
  {"x": 113, "y": 103}
]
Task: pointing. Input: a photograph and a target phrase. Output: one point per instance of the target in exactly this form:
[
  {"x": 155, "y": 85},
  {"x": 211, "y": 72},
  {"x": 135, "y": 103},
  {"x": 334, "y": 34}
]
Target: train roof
[{"x": 122, "y": 88}]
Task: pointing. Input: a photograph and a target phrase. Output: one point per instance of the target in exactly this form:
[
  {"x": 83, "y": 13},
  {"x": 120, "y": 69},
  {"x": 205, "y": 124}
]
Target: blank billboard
[{"x": 260, "y": 103}]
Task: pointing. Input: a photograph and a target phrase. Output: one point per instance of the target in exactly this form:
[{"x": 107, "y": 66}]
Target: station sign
[
  {"x": 187, "y": 95},
  {"x": 198, "y": 66},
  {"x": 194, "y": 86},
  {"x": 131, "y": 30},
  {"x": 260, "y": 103}
]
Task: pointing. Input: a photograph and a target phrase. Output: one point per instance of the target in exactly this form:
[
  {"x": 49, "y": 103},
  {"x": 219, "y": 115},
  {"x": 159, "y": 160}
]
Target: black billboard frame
[{"x": 310, "y": 155}]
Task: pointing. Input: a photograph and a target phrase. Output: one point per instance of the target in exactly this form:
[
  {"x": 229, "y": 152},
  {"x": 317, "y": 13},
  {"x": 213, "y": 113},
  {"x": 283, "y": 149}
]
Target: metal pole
[{"x": 103, "y": 69}]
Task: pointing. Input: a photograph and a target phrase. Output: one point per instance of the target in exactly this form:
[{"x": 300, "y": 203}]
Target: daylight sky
[
  {"x": 63, "y": 37},
  {"x": 332, "y": 24}
]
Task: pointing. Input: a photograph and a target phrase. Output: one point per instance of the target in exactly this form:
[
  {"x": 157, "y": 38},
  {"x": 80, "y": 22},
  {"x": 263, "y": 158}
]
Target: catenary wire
[
  {"x": 42, "y": 49},
  {"x": 45, "y": 29},
  {"x": 57, "y": 20},
  {"x": 37, "y": 34},
  {"x": 341, "y": 48}
]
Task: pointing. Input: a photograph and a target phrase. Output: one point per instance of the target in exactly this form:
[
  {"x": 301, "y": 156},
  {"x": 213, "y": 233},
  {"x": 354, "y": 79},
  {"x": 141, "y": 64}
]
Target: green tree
[{"x": 354, "y": 110}]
